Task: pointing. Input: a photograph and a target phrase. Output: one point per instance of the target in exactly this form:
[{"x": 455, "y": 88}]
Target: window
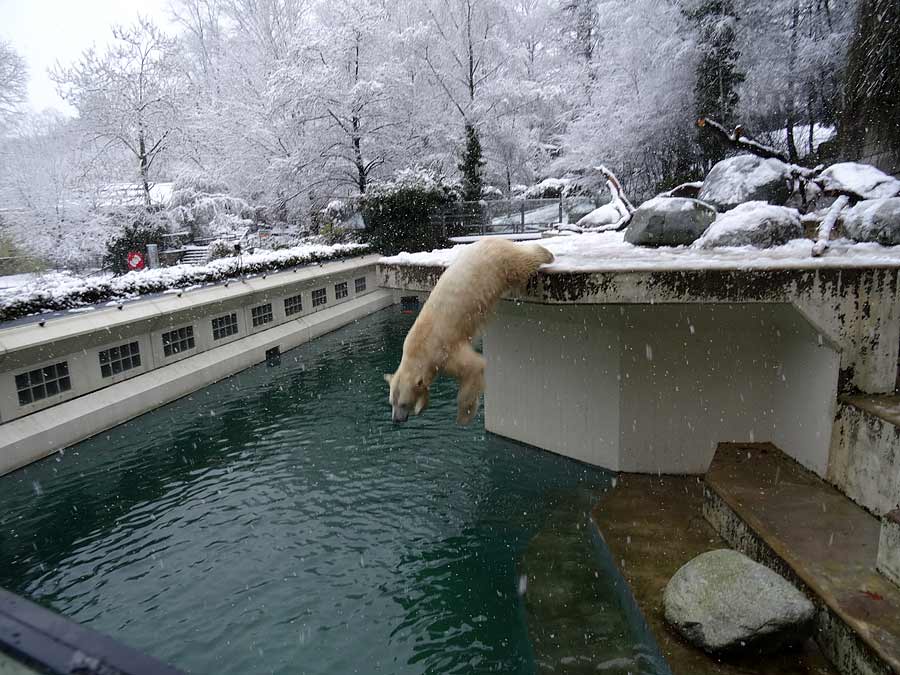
[
  {"x": 117, "y": 360},
  {"x": 360, "y": 284},
  {"x": 340, "y": 290},
  {"x": 293, "y": 305},
  {"x": 319, "y": 297},
  {"x": 178, "y": 340},
  {"x": 224, "y": 326},
  {"x": 262, "y": 314},
  {"x": 43, "y": 382}
]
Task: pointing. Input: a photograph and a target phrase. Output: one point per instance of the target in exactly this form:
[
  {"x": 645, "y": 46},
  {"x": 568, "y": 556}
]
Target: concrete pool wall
[
  {"x": 646, "y": 370},
  {"x": 120, "y": 363}
]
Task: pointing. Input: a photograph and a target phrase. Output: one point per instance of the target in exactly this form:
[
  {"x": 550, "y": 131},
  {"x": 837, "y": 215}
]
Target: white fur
[{"x": 440, "y": 340}]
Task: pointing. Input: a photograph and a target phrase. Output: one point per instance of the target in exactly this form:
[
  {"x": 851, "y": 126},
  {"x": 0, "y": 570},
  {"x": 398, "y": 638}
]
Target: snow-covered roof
[{"x": 609, "y": 252}]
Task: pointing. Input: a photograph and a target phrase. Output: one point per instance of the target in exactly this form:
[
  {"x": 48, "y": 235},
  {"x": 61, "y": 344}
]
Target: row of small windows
[
  {"x": 262, "y": 315},
  {"x": 117, "y": 360},
  {"x": 224, "y": 326},
  {"x": 41, "y": 383},
  {"x": 178, "y": 341}
]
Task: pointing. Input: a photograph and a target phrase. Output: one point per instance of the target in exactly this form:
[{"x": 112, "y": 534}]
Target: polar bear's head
[{"x": 408, "y": 394}]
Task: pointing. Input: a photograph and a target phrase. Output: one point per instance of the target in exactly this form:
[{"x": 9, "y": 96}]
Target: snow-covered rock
[
  {"x": 746, "y": 178},
  {"x": 722, "y": 601},
  {"x": 861, "y": 181},
  {"x": 669, "y": 221},
  {"x": 753, "y": 224},
  {"x": 605, "y": 215},
  {"x": 874, "y": 220}
]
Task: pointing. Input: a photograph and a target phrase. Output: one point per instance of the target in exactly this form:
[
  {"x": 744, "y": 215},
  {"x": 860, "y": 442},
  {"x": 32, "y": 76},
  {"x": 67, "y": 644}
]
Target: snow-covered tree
[
  {"x": 13, "y": 83},
  {"x": 128, "y": 96}
]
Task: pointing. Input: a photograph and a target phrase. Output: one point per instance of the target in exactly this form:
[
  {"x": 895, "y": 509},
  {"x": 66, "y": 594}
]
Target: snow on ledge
[{"x": 609, "y": 252}]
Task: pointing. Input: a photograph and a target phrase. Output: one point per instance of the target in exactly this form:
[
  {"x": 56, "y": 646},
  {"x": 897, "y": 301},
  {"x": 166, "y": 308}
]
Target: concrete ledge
[
  {"x": 864, "y": 460},
  {"x": 34, "y": 436},
  {"x": 771, "y": 509},
  {"x": 853, "y": 306}
]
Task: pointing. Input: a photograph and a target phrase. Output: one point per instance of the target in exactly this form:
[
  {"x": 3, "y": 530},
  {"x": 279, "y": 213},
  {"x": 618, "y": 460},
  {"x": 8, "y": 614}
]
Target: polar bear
[{"x": 440, "y": 340}]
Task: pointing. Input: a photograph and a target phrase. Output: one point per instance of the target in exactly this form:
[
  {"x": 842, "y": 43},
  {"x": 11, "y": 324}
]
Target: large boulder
[
  {"x": 724, "y": 602},
  {"x": 874, "y": 220},
  {"x": 753, "y": 224},
  {"x": 669, "y": 221},
  {"x": 861, "y": 181},
  {"x": 746, "y": 178}
]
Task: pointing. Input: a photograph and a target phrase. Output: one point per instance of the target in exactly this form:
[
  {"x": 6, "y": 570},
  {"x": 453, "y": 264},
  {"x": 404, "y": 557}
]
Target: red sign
[{"x": 135, "y": 260}]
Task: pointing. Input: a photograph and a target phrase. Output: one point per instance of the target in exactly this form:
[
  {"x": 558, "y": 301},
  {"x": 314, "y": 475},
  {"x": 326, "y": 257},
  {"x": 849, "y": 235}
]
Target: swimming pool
[{"x": 277, "y": 522}]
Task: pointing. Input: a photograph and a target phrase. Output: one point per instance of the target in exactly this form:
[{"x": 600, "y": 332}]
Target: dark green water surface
[{"x": 277, "y": 522}]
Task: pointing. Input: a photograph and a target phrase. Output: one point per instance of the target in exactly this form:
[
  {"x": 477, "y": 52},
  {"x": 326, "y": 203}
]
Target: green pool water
[{"x": 278, "y": 522}]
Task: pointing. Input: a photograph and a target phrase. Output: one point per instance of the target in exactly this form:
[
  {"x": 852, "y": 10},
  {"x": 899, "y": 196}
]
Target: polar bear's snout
[{"x": 406, "y": 398}]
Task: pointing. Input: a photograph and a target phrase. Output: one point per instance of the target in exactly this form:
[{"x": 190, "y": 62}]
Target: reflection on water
[{"x": 277, "y": 522}]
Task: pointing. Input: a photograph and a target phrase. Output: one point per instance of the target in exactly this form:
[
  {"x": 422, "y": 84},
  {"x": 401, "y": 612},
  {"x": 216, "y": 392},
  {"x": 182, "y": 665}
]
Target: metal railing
[{"x": 511, "y": 216}]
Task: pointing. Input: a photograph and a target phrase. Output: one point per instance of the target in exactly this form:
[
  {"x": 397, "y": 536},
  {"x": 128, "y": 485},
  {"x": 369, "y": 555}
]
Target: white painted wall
[
  {"x": 654, "y": 388},
  {"x": 553, "y": 379}
]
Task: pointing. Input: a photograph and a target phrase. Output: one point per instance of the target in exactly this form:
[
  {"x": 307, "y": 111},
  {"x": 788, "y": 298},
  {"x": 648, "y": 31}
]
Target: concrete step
[
  {"x": 889, "y": 547},
  {"x": 769, "y": 507},
  {"x": 864, "y": 460},
  {"x": 195, "y": 255},
  {"x": 652, "y": 525}
]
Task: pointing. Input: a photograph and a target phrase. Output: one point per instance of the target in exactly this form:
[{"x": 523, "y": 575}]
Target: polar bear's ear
[{"x": 387, "y": 377}]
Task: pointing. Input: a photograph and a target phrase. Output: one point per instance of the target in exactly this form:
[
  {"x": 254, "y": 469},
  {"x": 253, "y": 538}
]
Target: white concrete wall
[
  {"x": 77, "y": 339},
  {"x": 654, "y": 388},
  {"x": 34, "y": 436},
  {"x": 553, "y": 379},
  {"x": 865, "y": 458}
]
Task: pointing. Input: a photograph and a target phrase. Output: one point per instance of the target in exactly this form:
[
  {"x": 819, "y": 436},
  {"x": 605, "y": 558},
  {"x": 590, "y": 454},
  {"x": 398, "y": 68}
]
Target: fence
[{"x": 512, "y": 216}]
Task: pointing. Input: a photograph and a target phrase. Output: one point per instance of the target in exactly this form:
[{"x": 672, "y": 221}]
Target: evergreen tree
[
  {"x": 718, "y": 77},
  {"x": 471, "y": 165}
]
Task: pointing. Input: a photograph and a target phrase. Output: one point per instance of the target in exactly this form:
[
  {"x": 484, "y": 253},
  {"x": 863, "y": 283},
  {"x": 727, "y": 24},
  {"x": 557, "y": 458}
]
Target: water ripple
[{"x": 277, "y": 522}]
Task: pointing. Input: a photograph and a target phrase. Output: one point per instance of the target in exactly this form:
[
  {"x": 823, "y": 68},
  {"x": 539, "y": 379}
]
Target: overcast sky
[{"x": 44, "y": 31}]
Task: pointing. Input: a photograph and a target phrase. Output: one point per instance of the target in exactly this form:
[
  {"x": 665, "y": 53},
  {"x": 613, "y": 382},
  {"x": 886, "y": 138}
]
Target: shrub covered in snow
[
  {"x": 552, "y": 188},
  {"x": 145, "y": 227},
  {"x": 220, "y": 248},
  {"x": 206, "y": 208},
  {"x": 398, "y": 212},
  {"x": 60, "y": 291}
]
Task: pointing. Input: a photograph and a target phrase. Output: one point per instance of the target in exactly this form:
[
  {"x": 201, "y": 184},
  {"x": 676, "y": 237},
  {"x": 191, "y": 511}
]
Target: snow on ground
[
  {"x": 609, "y": 252},
  {"x": 9, "y": 281}
]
